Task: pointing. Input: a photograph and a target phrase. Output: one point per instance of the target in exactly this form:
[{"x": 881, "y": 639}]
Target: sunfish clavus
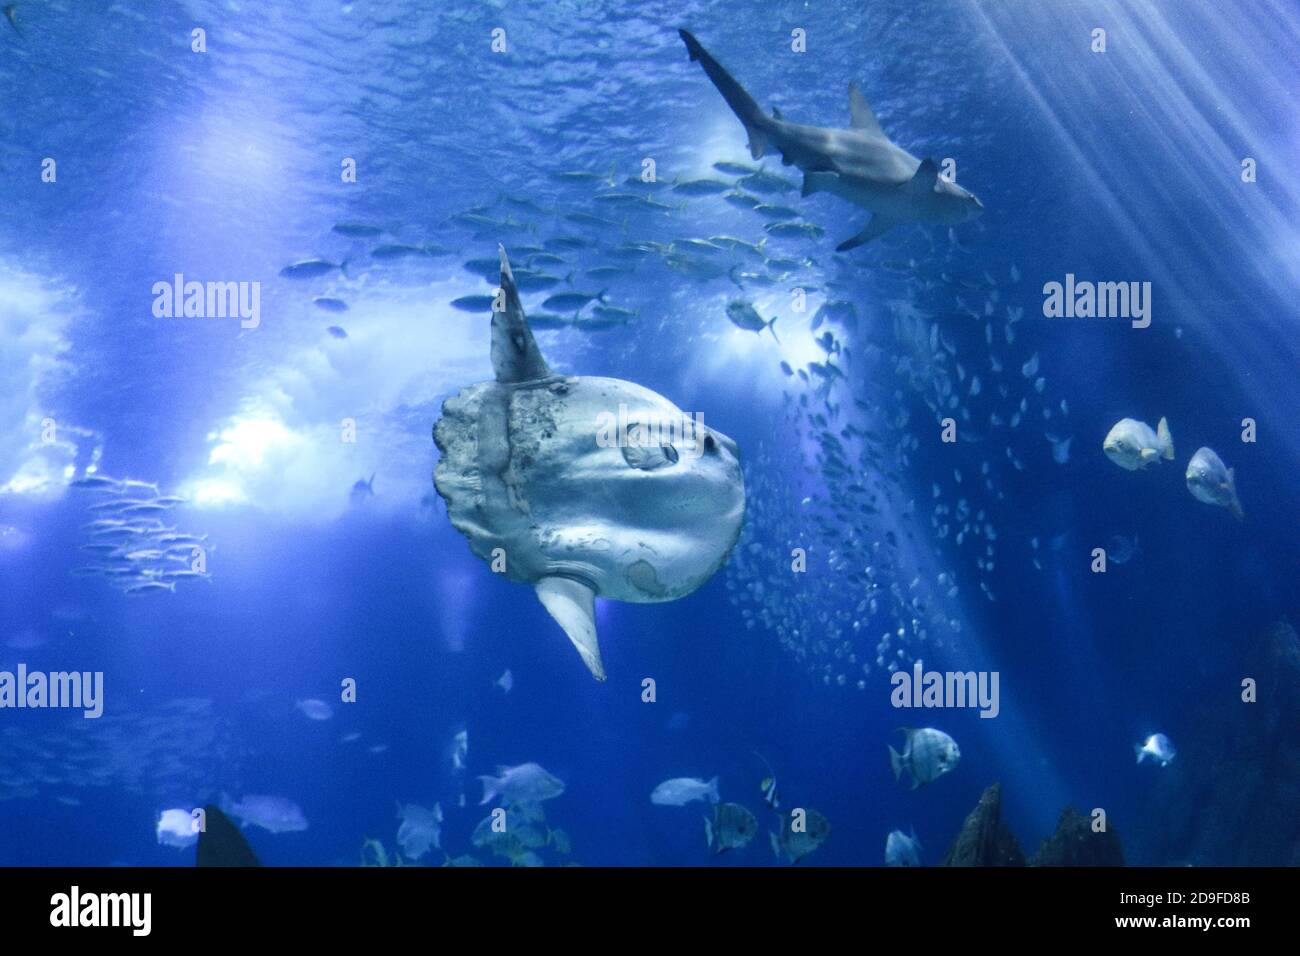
[{"x": 583, "y": 487}]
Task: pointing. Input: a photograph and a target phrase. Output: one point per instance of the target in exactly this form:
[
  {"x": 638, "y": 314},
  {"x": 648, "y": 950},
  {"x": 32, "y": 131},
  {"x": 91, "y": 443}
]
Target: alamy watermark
[
  {"x": 76, "y": 690},
  {"x": 127, "y": 910},
  {"x": 208, "y": 300},
  {"x": 922, "y": 688},
  {"x": 650, "y": 431},
  {"x": 1099, "y": 300}
]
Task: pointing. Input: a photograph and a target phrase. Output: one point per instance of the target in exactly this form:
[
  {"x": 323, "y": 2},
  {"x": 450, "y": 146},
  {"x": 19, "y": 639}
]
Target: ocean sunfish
[{"x": 584, "y": 486}]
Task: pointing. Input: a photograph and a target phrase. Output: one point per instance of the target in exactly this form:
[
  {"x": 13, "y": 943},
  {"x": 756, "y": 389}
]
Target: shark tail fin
[
  {"x": 1166, "y": 439},
  {"x": 1137, "y": 749},
  {"x": 573, "y": 605},
  {"x": 770, "y": 324},
  {"x": 713, "y": 791},
  {"x": 741, "y": 103}
]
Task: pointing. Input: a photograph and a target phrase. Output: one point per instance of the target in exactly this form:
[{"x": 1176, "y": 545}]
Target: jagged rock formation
[
  {"x": 984, "y": 839},
  {"x": 1075, "y": 844},
  {"x": 221, "y": 843},
  {"x": 1230, "y": 798}
]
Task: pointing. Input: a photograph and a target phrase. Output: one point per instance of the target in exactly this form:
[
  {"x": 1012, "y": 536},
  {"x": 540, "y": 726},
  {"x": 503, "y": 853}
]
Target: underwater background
[{"x": 225, "y": 165}]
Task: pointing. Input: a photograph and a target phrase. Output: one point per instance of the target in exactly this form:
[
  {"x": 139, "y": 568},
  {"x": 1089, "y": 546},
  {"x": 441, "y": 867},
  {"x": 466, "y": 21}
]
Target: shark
[
  {"x": 583, "y": 487},
  {"x": 860, "y": 164}
]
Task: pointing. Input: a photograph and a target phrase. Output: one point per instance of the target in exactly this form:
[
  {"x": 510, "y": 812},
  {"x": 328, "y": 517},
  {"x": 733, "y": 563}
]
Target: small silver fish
[
  {"x": 902, "y": 850},
  {"x": 1158, "y": 747},
  {"x": 927, "y": 755},
  {"x": 731, "y": 828},
  {"x": 1211, "y": 481},
  {"x": 743, "y": 315},
  {"x": 312, "y": 269},
  {"x": 680, "y": 791}
]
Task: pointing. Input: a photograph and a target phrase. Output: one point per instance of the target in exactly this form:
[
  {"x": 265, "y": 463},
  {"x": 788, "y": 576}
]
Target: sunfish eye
[{"x": 649, "y": 457}]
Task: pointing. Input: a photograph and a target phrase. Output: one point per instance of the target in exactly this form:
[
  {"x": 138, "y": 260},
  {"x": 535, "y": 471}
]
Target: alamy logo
[
  {"x": 74, "y": 908},
  {"x": 209, "y": 300},
  {"x": 78, "y": 690},
  {"x": 676, "y": 434},
  {"x": 922, "y": 688},
  {"x": 1100, "y": 300}
]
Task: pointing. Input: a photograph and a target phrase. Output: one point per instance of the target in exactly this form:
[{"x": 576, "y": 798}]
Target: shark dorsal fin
[
  {"x": 927, "y": 174},
  {"x": 860, "y": 115},
  {"x": 515, "y": 355},
  {"x": 776, "y": 113}
]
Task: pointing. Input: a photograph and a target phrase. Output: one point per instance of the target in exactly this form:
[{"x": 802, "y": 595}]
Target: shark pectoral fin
[
  {"x": 515, "y": 355},
  {"x": 573, "y": 605},
  {"x": 878, "y": 226},
  {"x": 922, "y": 183},
  {"x": 860, "y": 114}
]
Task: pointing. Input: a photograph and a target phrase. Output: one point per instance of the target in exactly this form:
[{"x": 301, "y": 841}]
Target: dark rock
[
  {"x": 1230, "y": 797},
  {"x": 1075, "y": 844},
  {"x": 984, "y": 840},
  {"x": 221, "y": 843}
]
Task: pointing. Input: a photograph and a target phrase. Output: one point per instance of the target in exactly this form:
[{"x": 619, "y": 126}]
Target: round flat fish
[{"x": 584, "y": 487}]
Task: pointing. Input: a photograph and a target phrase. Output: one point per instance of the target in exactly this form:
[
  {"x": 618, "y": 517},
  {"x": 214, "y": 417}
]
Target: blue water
[{"x": 225, "y": 166}]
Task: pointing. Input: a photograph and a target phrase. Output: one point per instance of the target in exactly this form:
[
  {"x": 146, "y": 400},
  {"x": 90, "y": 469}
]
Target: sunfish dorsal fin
[
  {"x": 860, "y": 114},
  {"x": 573, "y": 605},
  {"x": 922, "y": 183},
  {"x": 515, "y": 355}
]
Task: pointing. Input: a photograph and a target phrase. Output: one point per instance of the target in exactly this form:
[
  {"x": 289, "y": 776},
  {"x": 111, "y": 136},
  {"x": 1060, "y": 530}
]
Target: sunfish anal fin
[
  {"x": 515, "y": 355},
  {"x": 573, "y": 605}
]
